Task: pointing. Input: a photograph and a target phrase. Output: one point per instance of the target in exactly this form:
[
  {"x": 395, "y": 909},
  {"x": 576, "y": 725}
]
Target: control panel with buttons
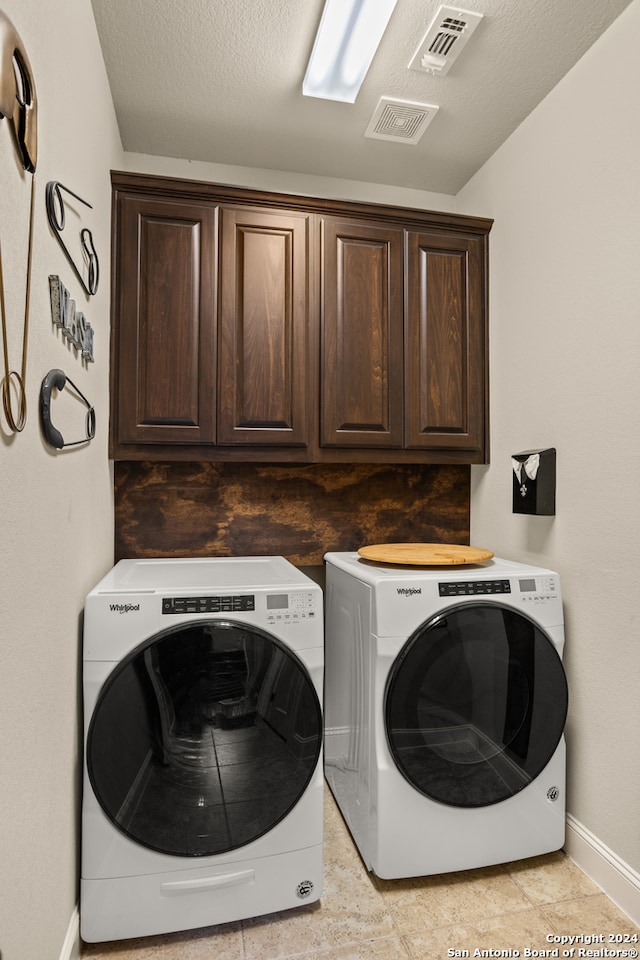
[
  {"x": 473, "y": 588},
  {"x": 294, "y": 606},
  {"x": 231, "y": 604}
]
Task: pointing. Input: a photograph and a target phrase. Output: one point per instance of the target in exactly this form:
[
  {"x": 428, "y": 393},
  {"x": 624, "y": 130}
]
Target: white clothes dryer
[
  {"x": 203, "y": 774},
  {"x": 445, "y": 706}
]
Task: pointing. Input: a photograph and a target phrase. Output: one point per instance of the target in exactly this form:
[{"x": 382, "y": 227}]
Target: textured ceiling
[{"x": 221, "y": 81}]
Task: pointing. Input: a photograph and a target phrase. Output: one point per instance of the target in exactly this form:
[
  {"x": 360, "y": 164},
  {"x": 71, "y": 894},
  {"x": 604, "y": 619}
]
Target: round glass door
[
  {"x": 204, "y": 738},
  {"x": 475, "y": 705}
]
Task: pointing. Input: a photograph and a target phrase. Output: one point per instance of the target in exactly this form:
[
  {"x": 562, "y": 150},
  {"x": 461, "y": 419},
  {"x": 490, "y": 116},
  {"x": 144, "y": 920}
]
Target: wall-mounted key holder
[
  {"x": 57, "y": 380},
  {"x": 534, "y": 482}
]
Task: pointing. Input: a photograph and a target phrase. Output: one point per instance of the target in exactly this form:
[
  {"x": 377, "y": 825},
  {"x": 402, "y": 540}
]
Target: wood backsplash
[{"x": 299, "y": 512}]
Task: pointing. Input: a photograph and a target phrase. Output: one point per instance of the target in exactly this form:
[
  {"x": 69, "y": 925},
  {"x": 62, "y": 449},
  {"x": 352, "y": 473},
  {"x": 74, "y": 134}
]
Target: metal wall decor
[
  {"x": 73, "y": 324},
  {"x": 56, "y": 216},
  {"x": 18, "y": 103},
  {"x": 57, "y": 379}
]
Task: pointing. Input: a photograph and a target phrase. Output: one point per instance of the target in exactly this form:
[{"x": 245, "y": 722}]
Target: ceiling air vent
[
  {"x": 402, "y": 121},
  {"x": 448, "y": 33}
]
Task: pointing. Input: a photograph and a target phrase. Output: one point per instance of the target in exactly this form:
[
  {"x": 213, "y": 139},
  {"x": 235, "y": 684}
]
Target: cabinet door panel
[
  {"x": 263, "y": 328},
  {"x": 166, "y": 323},
  {"x": 445, "y": 342},
  {"x": 361, "y": 335}
]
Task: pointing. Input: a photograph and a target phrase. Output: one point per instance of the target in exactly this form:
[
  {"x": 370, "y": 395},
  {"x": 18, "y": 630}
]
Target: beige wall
[
  {"x": 294, "y": 183},
  {"x": 56, "y": 516},
  {"x": 565, "y": 345}
]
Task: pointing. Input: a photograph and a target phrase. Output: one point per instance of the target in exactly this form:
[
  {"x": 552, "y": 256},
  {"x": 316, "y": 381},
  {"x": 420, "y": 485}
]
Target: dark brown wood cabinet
[
  {"x": 266, "y": 327},
  {"x": 263, "y": 328},
  {"x": 163, "y": 349},
  {"x": 361, "y": 355},
  {"x": 403, "y": 338},
  {"x": 445, "y": 351}
]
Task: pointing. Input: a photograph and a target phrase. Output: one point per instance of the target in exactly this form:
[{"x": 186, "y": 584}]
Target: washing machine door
[
  {"x": 475, "y": 705},
  {"x": 204, "y": 738}
]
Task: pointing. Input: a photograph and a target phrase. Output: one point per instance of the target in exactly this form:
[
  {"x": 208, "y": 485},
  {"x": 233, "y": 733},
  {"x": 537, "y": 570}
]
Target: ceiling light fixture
[{"x": 347, "y": 39}]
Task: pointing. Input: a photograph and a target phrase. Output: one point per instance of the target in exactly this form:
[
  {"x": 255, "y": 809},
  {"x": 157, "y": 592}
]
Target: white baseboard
[
  {"x": 615, "y": 878},
  {"x": 71, "y": 946}
]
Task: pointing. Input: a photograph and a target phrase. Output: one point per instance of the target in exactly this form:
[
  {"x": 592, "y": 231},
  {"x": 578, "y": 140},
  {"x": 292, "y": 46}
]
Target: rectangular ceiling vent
[
  {"x": 443, "y": 42},
  {"x": 402, "y": 121}
]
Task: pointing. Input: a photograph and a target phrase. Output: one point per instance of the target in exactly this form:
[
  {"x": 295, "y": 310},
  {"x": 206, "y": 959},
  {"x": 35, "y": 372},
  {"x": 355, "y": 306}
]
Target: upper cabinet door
[
  {"x": 164, "y": 359},
  {"x": 445, "y": 343},
  {"x": 362, "y": 356},
  {"x": 263, "y": 328}
]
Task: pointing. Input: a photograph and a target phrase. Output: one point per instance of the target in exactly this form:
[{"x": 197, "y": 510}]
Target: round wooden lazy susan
[{"x": 424, "y": 554}]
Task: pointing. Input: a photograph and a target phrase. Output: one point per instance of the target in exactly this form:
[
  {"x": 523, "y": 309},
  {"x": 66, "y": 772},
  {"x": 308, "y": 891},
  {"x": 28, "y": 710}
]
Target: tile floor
[{"x": 510, "y": 907}]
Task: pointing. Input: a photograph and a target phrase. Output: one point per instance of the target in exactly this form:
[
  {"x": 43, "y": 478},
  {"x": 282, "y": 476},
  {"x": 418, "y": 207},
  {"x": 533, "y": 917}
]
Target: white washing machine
[
  {"x": 203, "y": 772},
  {"x": 445, "y": 705}
]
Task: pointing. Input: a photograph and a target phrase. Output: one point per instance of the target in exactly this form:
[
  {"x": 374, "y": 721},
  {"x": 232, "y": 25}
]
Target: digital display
[
  {"x": 277, "y": 601},
  {"x": 527, "y": 586}
]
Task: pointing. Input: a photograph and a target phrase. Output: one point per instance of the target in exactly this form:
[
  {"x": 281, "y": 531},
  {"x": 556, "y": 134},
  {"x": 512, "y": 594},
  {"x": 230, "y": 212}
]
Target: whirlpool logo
[
  {"x": 408, "y": 591},
  {"x": 124, "y": 607}
]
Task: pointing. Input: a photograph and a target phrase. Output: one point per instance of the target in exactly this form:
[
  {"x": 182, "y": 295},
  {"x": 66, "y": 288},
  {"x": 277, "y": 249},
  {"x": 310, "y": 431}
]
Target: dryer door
[
  {"x": 204, "y": 738},
  {"x": 475, "y": 705}
]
